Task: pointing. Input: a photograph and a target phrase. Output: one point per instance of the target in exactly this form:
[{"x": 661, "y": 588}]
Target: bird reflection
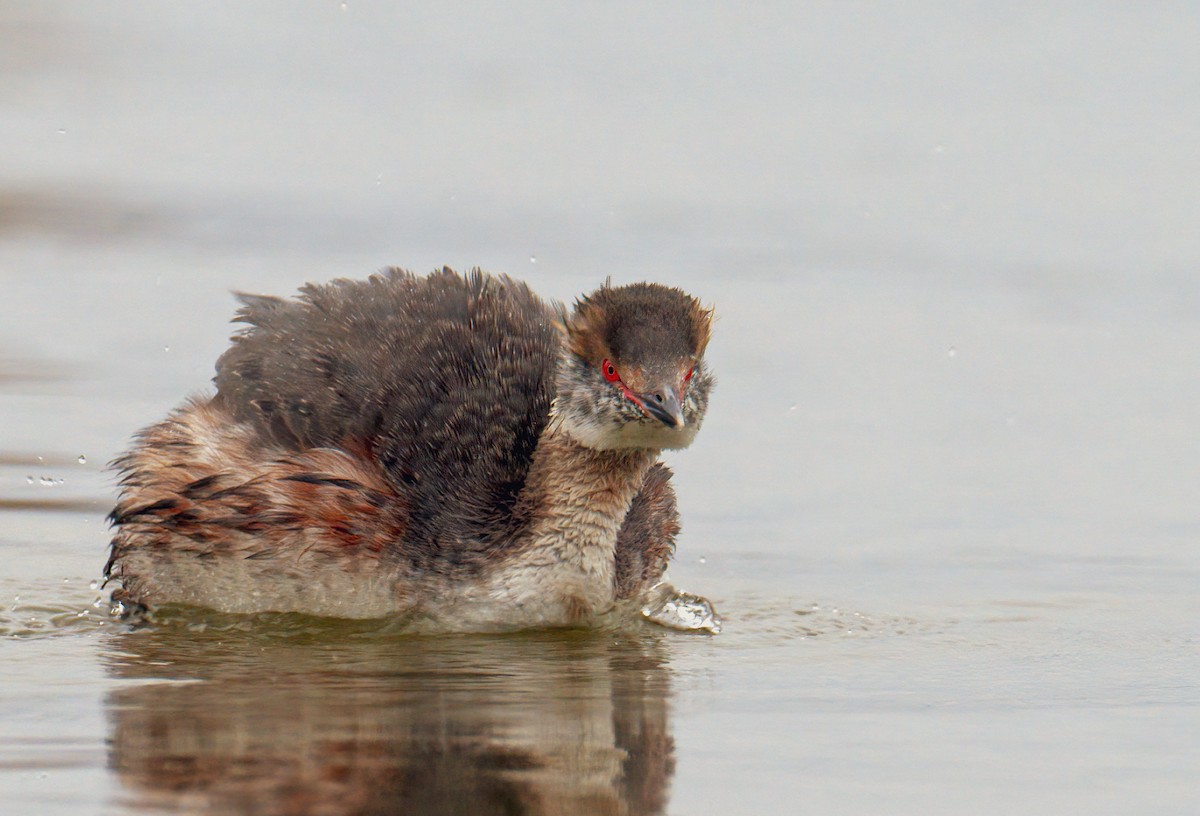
[{"x": 226, "y": 721}]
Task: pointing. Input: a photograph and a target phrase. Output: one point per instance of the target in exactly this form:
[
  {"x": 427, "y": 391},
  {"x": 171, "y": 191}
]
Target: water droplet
[
  {"x": 82, "y": 459},
  {"x": 167, "y": 349},
  {"x": 343, "y": 6},
  {"x": 62, "y": 131},
  {"x": 94, "y": 585},
  {"x": 952, "y": 352},
  {"x": 939, "y": 149},
  {"x": 379, "y": 179},
  {"x": 49, "y": 481},
  {"x": 703, "y": 560},
  {"x": 794, "y": 406},
  {"x": 533, "y": 259},
  {"x": 29, "y": 479}
]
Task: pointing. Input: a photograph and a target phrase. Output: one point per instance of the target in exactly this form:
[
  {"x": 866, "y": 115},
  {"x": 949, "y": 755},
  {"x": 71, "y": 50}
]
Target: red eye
[
  {"x": 688, "y": 376},
  {"x": 610, "y": 371}
]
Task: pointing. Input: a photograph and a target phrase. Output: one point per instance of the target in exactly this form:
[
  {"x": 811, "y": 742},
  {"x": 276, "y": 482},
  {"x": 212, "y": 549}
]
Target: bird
[{"x": 449, "y": 450}]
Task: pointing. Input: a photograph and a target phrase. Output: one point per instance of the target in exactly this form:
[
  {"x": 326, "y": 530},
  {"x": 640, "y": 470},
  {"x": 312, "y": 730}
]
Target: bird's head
[{"x": 633, "y": 373}]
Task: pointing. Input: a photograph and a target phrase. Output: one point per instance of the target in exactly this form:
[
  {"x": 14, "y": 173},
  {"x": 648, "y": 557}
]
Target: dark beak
[{"x": 663, "y": 404}]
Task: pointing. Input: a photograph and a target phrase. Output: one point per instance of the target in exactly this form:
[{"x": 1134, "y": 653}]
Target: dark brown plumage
[
  {"x": 445, "y": 381},
  {"x": 421, "y": 445}
]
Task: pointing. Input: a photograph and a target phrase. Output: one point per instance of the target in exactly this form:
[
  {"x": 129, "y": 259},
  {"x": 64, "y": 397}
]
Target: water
[{"x": 946, "y": 497}]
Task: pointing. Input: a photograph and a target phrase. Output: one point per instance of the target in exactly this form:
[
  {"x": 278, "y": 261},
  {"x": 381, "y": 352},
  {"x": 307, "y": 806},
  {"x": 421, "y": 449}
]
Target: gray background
[{"x": 947, "y": 492}]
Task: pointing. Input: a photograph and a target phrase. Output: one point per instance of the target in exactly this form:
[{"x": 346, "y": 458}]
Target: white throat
[{"x": 593, "y": 433}]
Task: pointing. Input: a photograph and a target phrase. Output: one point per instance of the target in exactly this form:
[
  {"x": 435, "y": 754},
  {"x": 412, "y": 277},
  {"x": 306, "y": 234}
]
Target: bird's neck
[
  {"x": 576, "y": 499},
  {"x": 579, "y": 493}
]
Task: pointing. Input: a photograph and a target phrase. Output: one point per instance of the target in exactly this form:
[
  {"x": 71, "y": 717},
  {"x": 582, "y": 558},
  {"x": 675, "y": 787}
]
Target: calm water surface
[{"x": 947, "y": 496}]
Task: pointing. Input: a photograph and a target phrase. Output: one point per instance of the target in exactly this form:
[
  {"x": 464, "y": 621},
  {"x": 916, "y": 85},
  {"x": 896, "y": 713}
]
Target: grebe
[{"x": 449, "y": 448}]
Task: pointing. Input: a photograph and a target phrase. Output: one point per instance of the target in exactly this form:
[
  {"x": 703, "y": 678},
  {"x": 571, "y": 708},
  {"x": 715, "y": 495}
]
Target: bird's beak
[{"x": 662, "y": 403}]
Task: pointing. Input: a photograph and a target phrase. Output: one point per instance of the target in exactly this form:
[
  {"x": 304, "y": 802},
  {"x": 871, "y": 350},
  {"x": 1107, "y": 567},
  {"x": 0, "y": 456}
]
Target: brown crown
[{"x": 637, "y": 322}]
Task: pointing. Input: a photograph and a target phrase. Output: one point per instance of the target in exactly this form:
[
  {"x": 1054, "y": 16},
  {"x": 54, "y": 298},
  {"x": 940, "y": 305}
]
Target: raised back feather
[{"x": 445, "y": 381}]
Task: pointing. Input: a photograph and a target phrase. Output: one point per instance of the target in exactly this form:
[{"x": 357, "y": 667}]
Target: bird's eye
[
  {"x": 610, "y": 371},
  {"x": 688, "y": 376}
]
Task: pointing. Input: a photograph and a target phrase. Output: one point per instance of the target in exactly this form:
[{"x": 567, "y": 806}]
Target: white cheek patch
[
  {"x": 584, "y": 430},
  {"x": 596, "y": 435}
]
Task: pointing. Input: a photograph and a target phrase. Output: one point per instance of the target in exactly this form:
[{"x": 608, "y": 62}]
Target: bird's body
[{"x": 447, "y": 448}]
